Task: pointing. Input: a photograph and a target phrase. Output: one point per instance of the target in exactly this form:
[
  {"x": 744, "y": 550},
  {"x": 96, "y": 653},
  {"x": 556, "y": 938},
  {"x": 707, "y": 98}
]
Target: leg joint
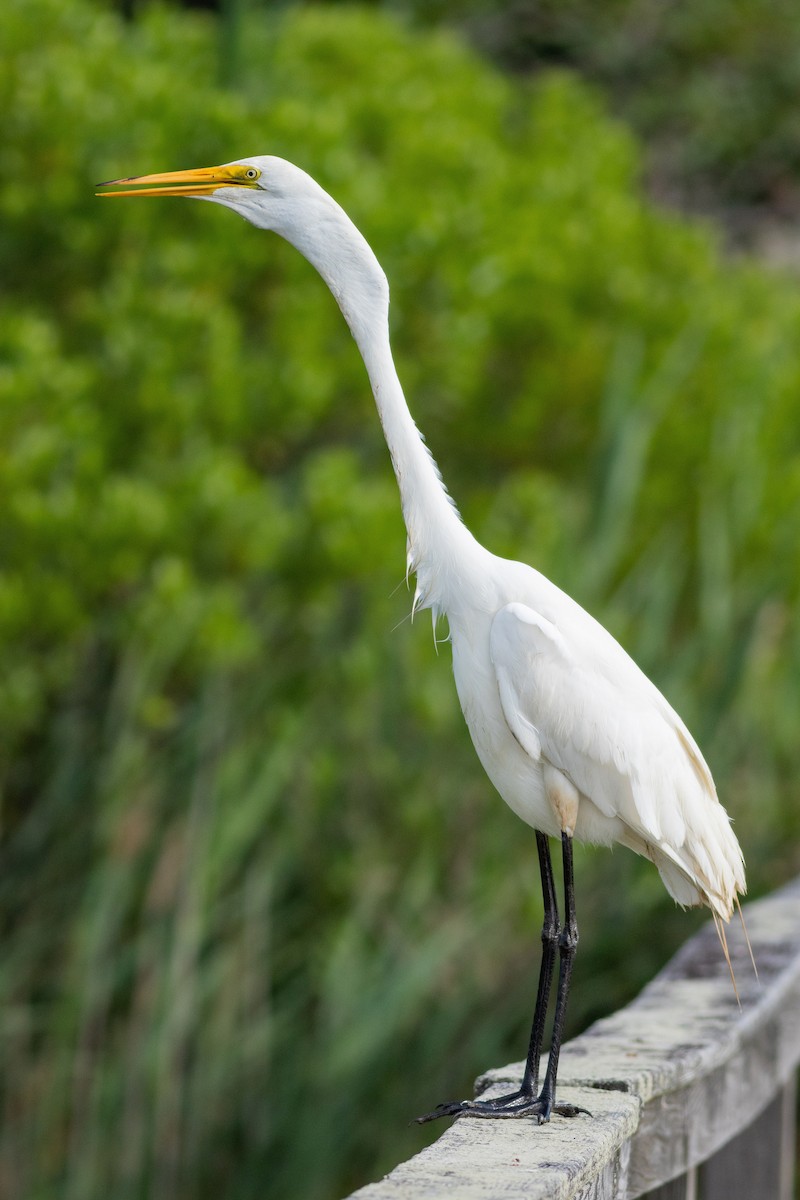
[
  {"x": 568, "y": 940},
  {"x": 550, "y": 935}
]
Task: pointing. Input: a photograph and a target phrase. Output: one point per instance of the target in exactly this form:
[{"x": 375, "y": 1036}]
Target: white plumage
[
  {"x": 572, "y": 734},
  {"x": 574, "y": 700}
]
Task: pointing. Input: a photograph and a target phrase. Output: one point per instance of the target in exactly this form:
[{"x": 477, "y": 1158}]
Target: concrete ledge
[
  {"x": 480, "y": 1160},
  {"x": 669, "y": 1080}
]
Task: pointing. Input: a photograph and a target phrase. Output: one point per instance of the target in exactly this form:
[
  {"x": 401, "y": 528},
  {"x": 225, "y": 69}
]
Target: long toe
[
  {"x": 502, "y": 1108},
  {"x": 505, "y": 1108},
  {"x": 509, "y": 1112},
  {"x": 441, "y": 1110}
]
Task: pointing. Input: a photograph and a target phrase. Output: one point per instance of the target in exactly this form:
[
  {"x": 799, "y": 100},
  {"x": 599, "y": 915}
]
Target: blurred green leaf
[{"x": 259, "y": 906}]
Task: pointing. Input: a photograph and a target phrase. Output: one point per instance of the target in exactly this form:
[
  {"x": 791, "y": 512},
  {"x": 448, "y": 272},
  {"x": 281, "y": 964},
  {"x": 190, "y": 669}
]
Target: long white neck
[
  {"x": 437, "y": 539},
  {"x": 440, "y": 548}
]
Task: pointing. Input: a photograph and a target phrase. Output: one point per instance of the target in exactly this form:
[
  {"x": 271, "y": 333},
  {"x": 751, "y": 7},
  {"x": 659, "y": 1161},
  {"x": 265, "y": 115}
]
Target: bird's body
[
  {"x": 555, "y": 706},
  {"x": 575, "y": 738}
]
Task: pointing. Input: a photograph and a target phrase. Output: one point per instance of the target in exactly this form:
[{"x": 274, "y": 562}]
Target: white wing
[{"x": 573, "y": 698}]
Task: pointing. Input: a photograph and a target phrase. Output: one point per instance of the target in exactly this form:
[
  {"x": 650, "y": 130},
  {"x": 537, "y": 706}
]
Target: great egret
[{"x": 576, "y": 739}]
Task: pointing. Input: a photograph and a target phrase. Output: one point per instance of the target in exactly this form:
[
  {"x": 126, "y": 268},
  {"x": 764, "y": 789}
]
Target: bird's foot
[{"x": 512, "y": 1107}]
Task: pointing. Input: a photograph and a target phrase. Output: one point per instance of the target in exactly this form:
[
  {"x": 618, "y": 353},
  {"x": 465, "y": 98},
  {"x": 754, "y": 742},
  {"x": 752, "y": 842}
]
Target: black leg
[
  {"x": 530, "y": 1080},
  {"x": 567, "y": 945},
  {"x": 524, "y": 1102}
]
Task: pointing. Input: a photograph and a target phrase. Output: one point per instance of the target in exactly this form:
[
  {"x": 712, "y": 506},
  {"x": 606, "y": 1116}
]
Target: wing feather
[{"x": 572, "y": 697}]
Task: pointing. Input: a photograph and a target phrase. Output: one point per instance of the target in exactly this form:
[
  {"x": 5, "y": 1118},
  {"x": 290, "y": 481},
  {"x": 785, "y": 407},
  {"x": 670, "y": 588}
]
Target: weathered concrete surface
[
  {"x": 668, "y": 1080},
  {"x": 480, "y": 1160}
]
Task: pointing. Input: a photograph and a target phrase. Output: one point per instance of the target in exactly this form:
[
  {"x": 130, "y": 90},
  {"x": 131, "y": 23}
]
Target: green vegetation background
[{"x": 259, "y": 905}]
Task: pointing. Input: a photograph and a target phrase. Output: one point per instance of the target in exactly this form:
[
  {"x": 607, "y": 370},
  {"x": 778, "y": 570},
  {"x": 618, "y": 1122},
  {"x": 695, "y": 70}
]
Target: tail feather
[
  {"x": 723, "y": 941},
  {"x": 747, "y": 938},
  {"x": 692, "y": 888},
  {"x": 689, "y": 885}
]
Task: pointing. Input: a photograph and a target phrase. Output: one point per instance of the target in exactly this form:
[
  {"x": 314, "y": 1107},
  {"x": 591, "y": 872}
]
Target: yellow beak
[{"x": 200, "y": 182}]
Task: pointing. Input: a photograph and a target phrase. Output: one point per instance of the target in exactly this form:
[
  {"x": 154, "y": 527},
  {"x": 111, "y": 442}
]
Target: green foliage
[
  {"x": 258, "y": 905},
  {"x": 710, "y": 86}
]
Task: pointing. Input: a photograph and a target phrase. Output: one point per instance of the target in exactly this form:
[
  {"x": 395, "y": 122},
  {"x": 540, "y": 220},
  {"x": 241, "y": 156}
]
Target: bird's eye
[{"x": 251, "y": 173}]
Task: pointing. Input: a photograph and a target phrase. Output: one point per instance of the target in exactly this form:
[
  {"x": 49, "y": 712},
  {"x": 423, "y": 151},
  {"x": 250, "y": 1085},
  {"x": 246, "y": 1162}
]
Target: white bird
[{"x": 574, "y": 737}]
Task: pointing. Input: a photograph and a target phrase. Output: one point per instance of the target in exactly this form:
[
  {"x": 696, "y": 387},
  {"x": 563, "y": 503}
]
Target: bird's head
[
  {"x": 263, "y": 189},
  {"x": 276, "y": 195}
]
